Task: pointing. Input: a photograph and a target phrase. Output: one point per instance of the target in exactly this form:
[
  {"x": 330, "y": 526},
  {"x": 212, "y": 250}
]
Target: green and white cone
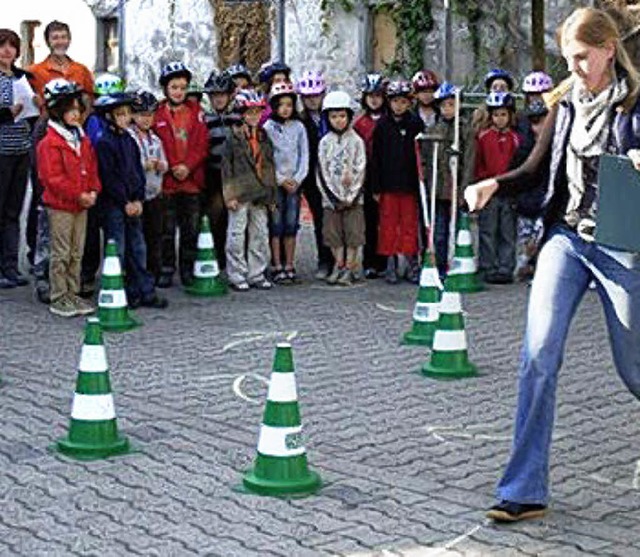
[
  {"x": 449, "y": 358},
  {"x": 464, "y": 270},
  {"x": 425, "y": 312},
  {"x": 93, "y": 430},
  {"x": 113, "y": 310},
  {"x": 206, "y": 272},
  {"x": 281, "y": 467}
]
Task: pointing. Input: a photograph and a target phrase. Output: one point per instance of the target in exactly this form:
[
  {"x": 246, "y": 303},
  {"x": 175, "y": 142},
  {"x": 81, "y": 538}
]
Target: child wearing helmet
[
  {"x": 312, "y": 87},
  {"x": 121, "y": 203},
  {"x": 220, "y": 88},
  {"x": 180, "y": 125},
  {"x": 68, "y": 172},
  {"x": 374, "y": 105},
  {"x": 249, "y": 188},
  {"x": 425, "y": 83},
  {"x": 394, "y": 176},
  {"x": 342, "y": 162},
  {"x": 495, "y": 148},
  {"x": 155, "y": 165},
  {"x": 444, "y": 131},
  {"x": 497, "y": 80},
  {"x": 240, "y": 76},
  {"x": 291, "y": 154}
]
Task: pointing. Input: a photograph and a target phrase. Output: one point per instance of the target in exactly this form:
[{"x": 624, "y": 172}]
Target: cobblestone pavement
[{"x": 409, "y": 463}]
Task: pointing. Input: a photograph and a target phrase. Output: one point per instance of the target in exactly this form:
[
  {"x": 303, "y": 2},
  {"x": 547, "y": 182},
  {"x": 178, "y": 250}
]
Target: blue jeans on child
[
  {"x": 285, "y": 220},
  {"x": 132, "y": 250},
  {"x": 566, "y": 266}
]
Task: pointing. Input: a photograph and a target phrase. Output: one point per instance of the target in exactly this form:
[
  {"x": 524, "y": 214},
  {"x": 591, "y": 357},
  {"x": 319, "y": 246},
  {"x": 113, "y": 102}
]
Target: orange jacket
[{"x": 47, "y": 70}]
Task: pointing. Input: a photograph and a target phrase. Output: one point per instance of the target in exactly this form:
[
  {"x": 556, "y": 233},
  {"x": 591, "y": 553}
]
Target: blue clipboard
[{"x": 618, "y": 215}]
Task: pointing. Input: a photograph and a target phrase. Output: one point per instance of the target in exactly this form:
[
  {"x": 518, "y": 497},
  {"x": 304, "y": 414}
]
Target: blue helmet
[
  {"x": 445, "y": 91},
  {"x": 497, "y": 73},
  {"x": 267, "y": 71},
  {"x": 173, "y": 70},
  {"x": 499, "y": 99},
  {"x": 373, "y": 83}
]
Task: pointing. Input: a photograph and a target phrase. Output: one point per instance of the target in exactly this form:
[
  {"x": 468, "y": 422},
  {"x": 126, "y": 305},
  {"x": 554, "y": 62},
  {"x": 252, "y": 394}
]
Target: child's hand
[
  {"x": 162, "y": 166},
  {"x": 138, "y": 207},
  {"x": 133, "y": 209},
  {"x": 150, "y": 165},
  {"x": 180, "y": 172},
  {"x": 232, "y": 205},
  {"x": 376, "y": 197},
  {"x": 86, "y": 199},
  {"x": 16, "y": 109}
]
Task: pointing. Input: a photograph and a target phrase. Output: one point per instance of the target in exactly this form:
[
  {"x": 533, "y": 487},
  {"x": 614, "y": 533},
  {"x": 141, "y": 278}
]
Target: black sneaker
[
  {"x": 508, "y": 511},
  {"x": 42, "y": 291},
  {"x": 155, "y": 302},
  {"x": 5, "y": 283},
  {"x": 14, "y": 276},
  {"x": 165, "y": 281}
]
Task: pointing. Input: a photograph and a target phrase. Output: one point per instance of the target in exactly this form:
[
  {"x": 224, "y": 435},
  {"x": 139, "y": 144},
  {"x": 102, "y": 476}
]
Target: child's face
[
  {"x": 339, "y": 119},
  {"x": 425, "y": 97},
  {"x": 285, "y": 108},
  {"x": 144, "y": 120},
  {"x": 500, "y": 86},
  {"x": 219, "y": 101},
  {"x": 448, "y": 108},
  {"x": 177, "y": 90},
  {"x": 279, "y": 77},
  {"x": 532, "y": 97},
  {"x": 252, "y": 116},
  {"x": 500, "y": 118},
  {"x": 374, "y": 101},
  {"x": 73, "y": 115},
  {"x": 121, "y": 117},
  {"x": 399, "y": 105},
  {"x": 8, "y": 54},
  {"x": 312, "y": 102},
  {"x": 241, "y": 82}
]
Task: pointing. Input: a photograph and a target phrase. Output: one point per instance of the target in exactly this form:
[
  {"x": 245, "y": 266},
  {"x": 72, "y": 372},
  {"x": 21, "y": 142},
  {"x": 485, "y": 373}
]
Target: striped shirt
[{"x": 15, "y": 136}]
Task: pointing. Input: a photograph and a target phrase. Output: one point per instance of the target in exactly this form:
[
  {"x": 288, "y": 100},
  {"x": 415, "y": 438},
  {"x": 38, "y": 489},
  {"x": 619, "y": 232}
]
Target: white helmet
[{"x": 337, "y": 100}]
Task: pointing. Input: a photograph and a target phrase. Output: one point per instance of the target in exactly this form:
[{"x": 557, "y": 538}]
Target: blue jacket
[
  {"x": 120, "y": 169},
  {"x": 95, "y": 126}
]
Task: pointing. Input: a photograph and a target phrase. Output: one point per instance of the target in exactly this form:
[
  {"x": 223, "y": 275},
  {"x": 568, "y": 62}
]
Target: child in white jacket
[{"x": 342, "y": 161}]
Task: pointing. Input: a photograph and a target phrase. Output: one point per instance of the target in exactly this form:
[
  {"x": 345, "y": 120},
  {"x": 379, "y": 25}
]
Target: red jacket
[
  {"x": 494, "y": 151},
  {"x": 64, "y": 172},
  {"x": 365, "y": 125},
  {"x": 197, "y": 152}
]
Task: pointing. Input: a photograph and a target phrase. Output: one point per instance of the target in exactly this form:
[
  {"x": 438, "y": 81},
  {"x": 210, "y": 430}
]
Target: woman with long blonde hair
[{"x": 596, "y": 112}]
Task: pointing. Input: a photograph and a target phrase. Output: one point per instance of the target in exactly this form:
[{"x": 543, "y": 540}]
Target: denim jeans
[
  {"x": 132, "y": 251},
  {"x": 441, "y": 236},
  {"x": 497, "y": 224},
  {"x": 285, "y": 219},
  {"x": 566, "y": 266}
]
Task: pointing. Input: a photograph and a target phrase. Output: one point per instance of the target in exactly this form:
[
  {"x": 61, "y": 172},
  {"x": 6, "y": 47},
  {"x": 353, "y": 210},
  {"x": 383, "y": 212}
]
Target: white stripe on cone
[
  {"x": 282, "y": 388},
  {"x": 111, "y": 267},
  {"x": 206, "y": 269},
  {"x": 464, "y": 238},
  {"x": 112, "y": 299},
  {"x": 426, "y": 312},
  {"x": 205, "y": 241},
  {"x": 429, "y": 278},
  {"x": 449, "y": 341},
  {"x": 450, "y": 303},
  {"x": 280, "y": 441},
  {"x": 463, "y": 266},
  {"x": 93, "y": 359},
  {"x": 93, "y": 408}
]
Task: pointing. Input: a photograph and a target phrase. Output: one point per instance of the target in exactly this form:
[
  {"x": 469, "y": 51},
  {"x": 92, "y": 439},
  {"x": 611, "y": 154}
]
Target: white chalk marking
[
  {"x": 391, "y": 309},
  {"x": 237, "y": 386},
  {"x": 636, "y": 477},
  {"x": 253, "y": 336}
]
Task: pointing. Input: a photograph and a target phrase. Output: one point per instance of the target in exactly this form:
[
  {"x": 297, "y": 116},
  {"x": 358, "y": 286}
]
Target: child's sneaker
[
  {"x": 83, "y": 307},
  {"x": 155, "y": 302},
  {"x": 279, "y": 276},
  {"x": 334, "y": 276},
  {"x": 262, "y": 284},
  {"x": 345, "y": 278},
  {"x": 403, "y": 266},
  {"x": 240, "y": 286},
  {"x": 63, "y": 307},
  {"x": 292, "y": 276},
  {"x": 390, "y": 275},
  {"x": 42, "y": 291}
]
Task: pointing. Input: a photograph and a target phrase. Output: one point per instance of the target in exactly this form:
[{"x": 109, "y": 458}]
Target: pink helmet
[
  {"x": 425, "y": 79},
  {"x": 537, "y": 82},
  {"x": 311, "y": 83}
]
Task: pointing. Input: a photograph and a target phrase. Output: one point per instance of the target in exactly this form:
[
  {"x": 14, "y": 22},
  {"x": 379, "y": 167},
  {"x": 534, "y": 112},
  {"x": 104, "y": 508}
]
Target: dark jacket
[
  {"x": 550, "y": 155},
  {"x": 393, "y": 163},
  {"x": 120, "y": 169}
]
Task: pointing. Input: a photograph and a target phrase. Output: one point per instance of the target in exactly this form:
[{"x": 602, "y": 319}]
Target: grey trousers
[
  {"x": 497, "y": 226},
  {"x": 247, "y": 265}
]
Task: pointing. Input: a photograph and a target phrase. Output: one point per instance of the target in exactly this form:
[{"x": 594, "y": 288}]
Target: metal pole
[
  {"x": 448, "y": 42},
  {"x": 121, "y": 42},
  {"x": 280, "y": 31}
]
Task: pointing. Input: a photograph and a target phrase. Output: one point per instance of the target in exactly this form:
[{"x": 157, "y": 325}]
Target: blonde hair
[{"x": 598, "y": 29}]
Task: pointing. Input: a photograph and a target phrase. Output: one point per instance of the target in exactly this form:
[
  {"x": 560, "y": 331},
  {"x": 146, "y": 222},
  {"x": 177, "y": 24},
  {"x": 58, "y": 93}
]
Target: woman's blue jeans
[{"x": 566, "y": 266}]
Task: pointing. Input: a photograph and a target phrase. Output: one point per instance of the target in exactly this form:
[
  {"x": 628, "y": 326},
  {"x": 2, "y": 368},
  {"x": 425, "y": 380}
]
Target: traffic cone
[
  {"x": 93, "y": 431},
  {"x": 464, "y": 271},
  {"x": 281, "y": 465},
  {"x": 206, "y": 273},
  {"x": 449, "y": 358},
  {"x": 113, "y": 310},
  {"x": 425, "y": 312}
]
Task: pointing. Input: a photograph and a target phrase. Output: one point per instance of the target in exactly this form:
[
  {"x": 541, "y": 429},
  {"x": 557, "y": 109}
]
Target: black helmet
[
  {"x": 109, "y": 102},
  {"x": 373, "y": 83},
  {"x": 60, "y": 89},
  {"x": 173, "y": 70},
  {"x": 144, "y": 101},
  {"x": 219, "y": 83},
  {"x": 267, "y": 71}
]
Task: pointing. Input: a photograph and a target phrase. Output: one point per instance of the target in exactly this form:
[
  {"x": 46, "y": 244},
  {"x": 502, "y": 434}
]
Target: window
[{"x": 108, "y": 45}]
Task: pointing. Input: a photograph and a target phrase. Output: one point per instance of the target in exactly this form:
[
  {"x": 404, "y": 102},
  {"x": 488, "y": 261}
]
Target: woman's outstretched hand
[
  {"x": 478, "y": 195},
  {"x": 634, "y": 155}
]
